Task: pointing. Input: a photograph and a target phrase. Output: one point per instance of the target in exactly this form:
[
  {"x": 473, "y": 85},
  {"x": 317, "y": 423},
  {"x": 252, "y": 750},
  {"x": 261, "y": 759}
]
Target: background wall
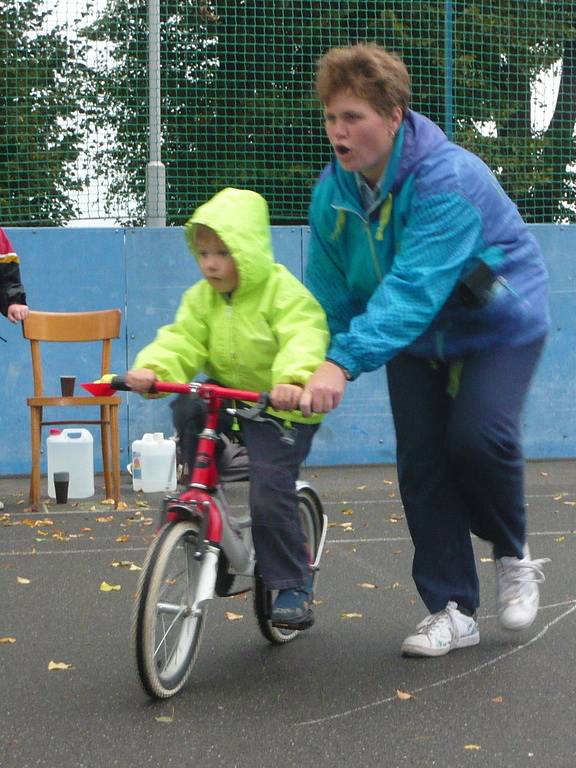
[{"x": 144, "y": 272}]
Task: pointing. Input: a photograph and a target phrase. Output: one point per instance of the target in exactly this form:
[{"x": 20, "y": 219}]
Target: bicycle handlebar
[{"x": 202, "y": 389}]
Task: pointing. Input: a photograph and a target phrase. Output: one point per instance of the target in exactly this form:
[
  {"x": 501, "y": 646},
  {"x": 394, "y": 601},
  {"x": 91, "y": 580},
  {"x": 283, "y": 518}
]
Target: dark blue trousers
[
  {"x": 460, "y": 464},
  {"x": 281, "y": 553}
]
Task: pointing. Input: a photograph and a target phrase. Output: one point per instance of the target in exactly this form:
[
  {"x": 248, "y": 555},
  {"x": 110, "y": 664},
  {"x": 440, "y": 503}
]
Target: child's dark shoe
[{"x": 292, "y": 608}]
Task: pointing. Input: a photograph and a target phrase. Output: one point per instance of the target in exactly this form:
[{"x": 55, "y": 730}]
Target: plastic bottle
[
  {"x": 154, "y": 463},
  {"x": 72, "y": 451},
  {"x": 136, "y": 466}
]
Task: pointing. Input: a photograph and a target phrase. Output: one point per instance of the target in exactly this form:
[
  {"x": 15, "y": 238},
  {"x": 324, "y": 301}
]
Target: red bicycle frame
[{"x": 205, "y": 474}]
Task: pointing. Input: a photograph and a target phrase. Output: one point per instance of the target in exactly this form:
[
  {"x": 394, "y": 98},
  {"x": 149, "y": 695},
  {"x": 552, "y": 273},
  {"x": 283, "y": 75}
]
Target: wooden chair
[{"x": 102, "y": 326}]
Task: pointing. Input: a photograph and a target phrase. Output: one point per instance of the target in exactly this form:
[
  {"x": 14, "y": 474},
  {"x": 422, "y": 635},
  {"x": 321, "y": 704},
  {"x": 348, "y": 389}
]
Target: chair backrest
[{"x": 103, "y": 326}]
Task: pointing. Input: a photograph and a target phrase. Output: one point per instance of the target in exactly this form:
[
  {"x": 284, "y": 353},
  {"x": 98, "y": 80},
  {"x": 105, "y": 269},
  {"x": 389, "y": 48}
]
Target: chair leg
[
  {"x": 115, "y": 444},
  {"x": 35, "y": 437},
  {"x": 105, "y": 440}
]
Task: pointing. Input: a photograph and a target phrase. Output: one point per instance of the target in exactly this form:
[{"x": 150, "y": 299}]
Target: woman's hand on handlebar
[
  {"x": 286, "y": 397},
  {"x": 324, "y": 390},
  {"x": 140, "y": 380}
]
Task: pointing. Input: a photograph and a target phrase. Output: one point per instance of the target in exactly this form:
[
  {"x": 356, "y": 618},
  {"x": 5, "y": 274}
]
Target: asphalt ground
[{"x": 339, "y": 695}]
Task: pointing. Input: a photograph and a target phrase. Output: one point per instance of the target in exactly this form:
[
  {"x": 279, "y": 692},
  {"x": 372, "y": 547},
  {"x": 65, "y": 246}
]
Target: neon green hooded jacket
[{"x": 269, "y": 331}]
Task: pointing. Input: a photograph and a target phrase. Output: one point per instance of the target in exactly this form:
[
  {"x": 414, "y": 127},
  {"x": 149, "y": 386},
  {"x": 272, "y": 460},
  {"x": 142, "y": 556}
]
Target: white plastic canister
[
  {"x": 72, "y": 451},
  {"x": 154, "y": 463}
]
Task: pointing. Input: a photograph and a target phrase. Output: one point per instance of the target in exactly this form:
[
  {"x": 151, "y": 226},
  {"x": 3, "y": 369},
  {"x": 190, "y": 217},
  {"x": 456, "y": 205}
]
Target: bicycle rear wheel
[
  {"x": 168, "y": 622},
  {"x": 311, "y": 517}
]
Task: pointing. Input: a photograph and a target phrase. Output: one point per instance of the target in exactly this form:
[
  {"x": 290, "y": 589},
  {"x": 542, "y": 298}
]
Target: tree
[
  {"x": 238, "y": 107},
  {"x": 43, "y": 80}
]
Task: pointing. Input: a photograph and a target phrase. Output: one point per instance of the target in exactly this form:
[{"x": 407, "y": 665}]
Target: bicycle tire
[
  {"x": 166, "y": 653},
  {"x": 311, "y": 514}
]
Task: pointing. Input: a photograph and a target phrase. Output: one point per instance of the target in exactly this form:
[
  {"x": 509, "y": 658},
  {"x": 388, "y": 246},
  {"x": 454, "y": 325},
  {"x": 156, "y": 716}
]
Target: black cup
[{"x": 61, "y": 480}]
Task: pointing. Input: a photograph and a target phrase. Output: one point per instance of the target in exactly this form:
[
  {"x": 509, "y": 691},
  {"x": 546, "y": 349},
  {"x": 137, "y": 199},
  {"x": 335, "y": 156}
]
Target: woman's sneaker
[
  {"x": 518, "y": 594},
  {"x": 441, "y": 633},
  {"x": 292, "y": 608}
]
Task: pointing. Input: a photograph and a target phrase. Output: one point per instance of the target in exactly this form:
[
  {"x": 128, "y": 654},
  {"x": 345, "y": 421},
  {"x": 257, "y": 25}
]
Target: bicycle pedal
[{"x": 304, "y": 623}]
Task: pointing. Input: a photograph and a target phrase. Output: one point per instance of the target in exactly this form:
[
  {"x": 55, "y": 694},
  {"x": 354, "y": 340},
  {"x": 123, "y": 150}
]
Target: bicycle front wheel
[
  {"x": 168, "y": 621},
  {"x": 311, "y": 518}
]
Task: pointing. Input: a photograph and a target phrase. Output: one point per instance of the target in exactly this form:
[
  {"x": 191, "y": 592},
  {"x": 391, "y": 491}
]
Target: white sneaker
[
  {"x": 518, "y": 594},
  {"x": 441, "y": 633}
]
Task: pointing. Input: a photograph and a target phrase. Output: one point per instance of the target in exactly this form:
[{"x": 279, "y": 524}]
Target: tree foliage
[
  {"x": 238, "y": 107},
  {"x": 40, "y": 140}
]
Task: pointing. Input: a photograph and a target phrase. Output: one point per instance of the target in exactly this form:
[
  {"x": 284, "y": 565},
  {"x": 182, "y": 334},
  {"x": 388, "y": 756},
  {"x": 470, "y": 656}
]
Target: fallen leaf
[
  {"x": 124, "y": 537},
  {"x": 392, "y": 495},
  {"x": 109, "y": 502},
  {"x": 107, "y": 519},
  {"x": 85, "y": 530},
  {"x": 52, "y": 665},
  {"x": 122, "y": 505},
  {"x": 367, "y": 585},
  {"x": 569, "y": 503},
  {"x": 360, "y": 487},
  {"x": 7, "y": 640},
  {"x": 396, "y": 585},
  {"x": 543, "y": 474},
  {"x": 165, "y": 718},
  {"x": 22, "y": 580},
  {"x": 396, "y": 551},
  {"x": 348, "y": 511},
  {"x": 388, "y": 482},
  {"x": 404, "y": 695},
  {"x": 497, "y": 699},
  {"x": 142, "y": 504},
  {"x": 472, "y": 746},
  {"x": 560, "y": 496},
  {"x": 234, "y": 616},
  {"x": 105, "y": 587},
  {"x": 125, "y": 564},
  {"x": 559, "y": 539},
  {"x": 351, "y": 615},
  {"x": 486, "y": 559},
  {"x": 317, "y": 602}
]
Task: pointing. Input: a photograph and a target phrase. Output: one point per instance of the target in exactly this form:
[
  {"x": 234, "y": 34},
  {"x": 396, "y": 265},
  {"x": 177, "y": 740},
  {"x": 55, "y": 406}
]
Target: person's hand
[
  {"x": 17, "y": 312},
  {"x": 286, "y": 397},
  {"x": 140, "y": 379},
  {"x": 324, "y": 390}
]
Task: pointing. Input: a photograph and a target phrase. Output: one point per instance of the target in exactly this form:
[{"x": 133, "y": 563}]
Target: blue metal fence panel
[
  {"x": 145, "y": 271},
  {"x": 63, "y": 270}
]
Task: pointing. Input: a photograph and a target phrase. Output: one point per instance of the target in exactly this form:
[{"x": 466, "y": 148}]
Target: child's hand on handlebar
[
  {"x": 140, "y": 380},
  {"x": 286, "y": 397}
]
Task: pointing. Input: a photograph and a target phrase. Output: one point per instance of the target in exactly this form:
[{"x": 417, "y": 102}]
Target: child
[{"x": 251, "y": 325}]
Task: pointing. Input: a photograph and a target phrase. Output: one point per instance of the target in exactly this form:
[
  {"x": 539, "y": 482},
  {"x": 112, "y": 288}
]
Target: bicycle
[{"x": 200, "y": 548}]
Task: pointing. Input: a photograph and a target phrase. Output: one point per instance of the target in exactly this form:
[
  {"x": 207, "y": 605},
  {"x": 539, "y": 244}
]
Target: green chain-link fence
[{"x": 237, "y": 106}]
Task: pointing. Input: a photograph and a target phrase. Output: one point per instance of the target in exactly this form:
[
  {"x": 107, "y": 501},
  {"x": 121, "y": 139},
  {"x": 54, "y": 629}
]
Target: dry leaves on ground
[
  {"x": 105, "y": 587},
  {"x": 57, "y": 665},
  {"x": 234, "y": 616}
]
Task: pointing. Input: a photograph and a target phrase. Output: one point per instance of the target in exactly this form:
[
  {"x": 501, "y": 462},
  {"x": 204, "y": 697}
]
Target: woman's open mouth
[{"x": 341, "y": 150}]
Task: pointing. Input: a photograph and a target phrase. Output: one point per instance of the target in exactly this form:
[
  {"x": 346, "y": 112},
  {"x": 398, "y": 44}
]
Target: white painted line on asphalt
[
  {"x": 446, "y": 680},
  {"x": 375, "y": 540}
]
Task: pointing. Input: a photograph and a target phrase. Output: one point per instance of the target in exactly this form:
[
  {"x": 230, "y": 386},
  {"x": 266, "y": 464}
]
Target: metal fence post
[
  {"x": 155, "y": 169},
  {"x": 449, "y": 69}
]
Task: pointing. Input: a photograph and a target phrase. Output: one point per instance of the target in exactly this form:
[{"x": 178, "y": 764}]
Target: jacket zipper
[{"x": 368, "y": 235}]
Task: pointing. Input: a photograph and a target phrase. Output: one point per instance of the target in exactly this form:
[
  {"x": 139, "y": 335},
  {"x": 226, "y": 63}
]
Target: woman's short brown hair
[{"x": 368, "y": 72}]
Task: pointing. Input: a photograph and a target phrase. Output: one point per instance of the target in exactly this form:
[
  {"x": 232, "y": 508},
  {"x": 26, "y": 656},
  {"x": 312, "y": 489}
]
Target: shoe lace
[
  {"x": 516, "y": 572},
  {"x": 436, "y": 622}
]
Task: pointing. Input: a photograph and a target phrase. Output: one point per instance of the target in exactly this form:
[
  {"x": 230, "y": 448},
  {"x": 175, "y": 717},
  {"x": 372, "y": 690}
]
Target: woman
[{"x": 422, "y": 263}]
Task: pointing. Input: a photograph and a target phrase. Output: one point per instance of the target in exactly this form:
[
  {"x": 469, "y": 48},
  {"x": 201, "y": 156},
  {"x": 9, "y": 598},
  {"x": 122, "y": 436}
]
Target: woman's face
[{"x": 362, "y": 138}]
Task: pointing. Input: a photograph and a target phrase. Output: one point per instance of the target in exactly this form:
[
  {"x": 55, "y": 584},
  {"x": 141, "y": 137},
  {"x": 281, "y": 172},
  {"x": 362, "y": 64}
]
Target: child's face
[{"x": 216, "y": 262}]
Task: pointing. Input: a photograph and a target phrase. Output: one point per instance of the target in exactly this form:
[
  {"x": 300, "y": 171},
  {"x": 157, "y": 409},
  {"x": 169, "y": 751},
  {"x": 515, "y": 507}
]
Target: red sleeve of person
[{"x": 11, "y": 288}]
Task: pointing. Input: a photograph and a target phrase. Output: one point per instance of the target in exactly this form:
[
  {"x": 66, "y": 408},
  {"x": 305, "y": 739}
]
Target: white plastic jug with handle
[
  {"x": 72, "y": 451},
  {"x": 154, "y": 463}
]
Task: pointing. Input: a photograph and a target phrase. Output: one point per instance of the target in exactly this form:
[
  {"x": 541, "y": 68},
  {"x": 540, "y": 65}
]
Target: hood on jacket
[{"x": 240, "y": 218}]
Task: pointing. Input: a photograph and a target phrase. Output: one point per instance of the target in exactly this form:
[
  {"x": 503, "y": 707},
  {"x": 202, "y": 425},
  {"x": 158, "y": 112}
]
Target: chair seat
[{"x": 73, "y": 401}]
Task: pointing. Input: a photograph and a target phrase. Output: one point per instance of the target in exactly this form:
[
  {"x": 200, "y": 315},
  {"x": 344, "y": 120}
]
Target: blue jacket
[{"x": 397, "y": 280}]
